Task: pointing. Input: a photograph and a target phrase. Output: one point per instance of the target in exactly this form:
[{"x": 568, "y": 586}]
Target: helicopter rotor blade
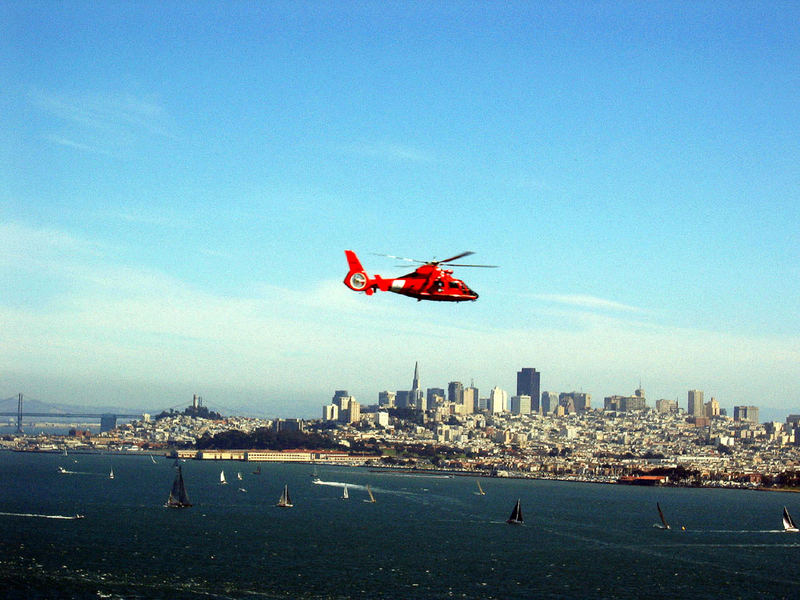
[
  {"x": 414, "y": 260},
  {"x": 482, "y": 266},
  {"x": 456, "y": 257}
]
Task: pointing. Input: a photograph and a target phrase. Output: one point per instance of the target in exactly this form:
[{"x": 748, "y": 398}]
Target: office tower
[
  {"x": 386, "y": 399},
  {"x": 349, "y": 410},
  {"x": 470, "y": 400},
  {"x": 630, "y": 403},
  {"x": 711, "y": 408},
  {"x": 695, "y": 405},
  {"x": 435, "y": 397},
  {"x": 575, "y": 401},
  {"x": 330, "y": 412},
  {"x": 455, "y": 392},
  {"x": 612, "y": 403},
  {"x": 521, "y": 405},
  {"x": 417, "y": 397},
  {"x": 745, "y": 414},
  {"x": 498, "y": 400},
  {"x": 528, "y": 385},
  {"x": 354, "y": 413},
  {"x": 404, "y": 399},
  {"x": 549, "y": 402},
  {"x": 665, "y": 406}
]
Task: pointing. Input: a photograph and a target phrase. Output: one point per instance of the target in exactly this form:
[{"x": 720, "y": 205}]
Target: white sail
[
  {"x": 239, "y": 476},
  {"x": 111, "y": 474},
  {"x": 371, "y": 497},
  {"x": 788, "y": 522},
  {"x": 345, "y": 495},
  {"x": 285, "y": 501},
  {"x": 480, "y": 491},
  {"x": 222, "y": 478}
]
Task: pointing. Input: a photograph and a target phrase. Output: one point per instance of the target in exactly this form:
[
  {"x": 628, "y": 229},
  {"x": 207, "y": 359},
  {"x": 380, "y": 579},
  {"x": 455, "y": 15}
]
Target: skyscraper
[
  {"x": 455, "y": 392},
  {"x": 521, "y": 405},
  {"x": 417, "y": 397},
  {"x": 549, "y": 402},
  {"x": 695, "y": 406},
  {"x": 498, "y": 400},
  {"x": 745, "y": 414},
  {"x": 528, "y": 385},
  {"x": 470, "y": 400}
]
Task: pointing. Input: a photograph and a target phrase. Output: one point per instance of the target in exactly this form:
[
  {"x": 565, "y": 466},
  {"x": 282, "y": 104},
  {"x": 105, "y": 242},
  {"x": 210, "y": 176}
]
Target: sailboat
[
  {"x": 789, "y": 525},
  {"x": 285, "y": 501},
  {"x": 345, "y": 495},
  {"x": 153, "y": 459},
  {"x": 111, "y": 474},
  {"x": 371, "y": 497},
  {"x": 239, "y": 476},
  {"x": 664, "y": 524},
  {"x": 257, "y": 471},
  {"x": 516, "y": 515},
  {"x": 177, "y": 495},
  {"x": 480, "y": 491},
  {"x": 222, "y": 478}
]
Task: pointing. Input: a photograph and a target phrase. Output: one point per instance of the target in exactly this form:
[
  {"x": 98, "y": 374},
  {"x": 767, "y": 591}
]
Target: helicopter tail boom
[{"x": 357, "y": 278}]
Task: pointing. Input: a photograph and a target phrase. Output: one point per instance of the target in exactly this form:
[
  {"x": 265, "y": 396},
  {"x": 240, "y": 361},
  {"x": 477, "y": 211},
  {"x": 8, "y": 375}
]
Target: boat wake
[
  {"x": 341, "y": 484},
  {"x": 64, "y": 471},
  {"x": 741, "y": 531},
  {"x": 37, "y": 516}
]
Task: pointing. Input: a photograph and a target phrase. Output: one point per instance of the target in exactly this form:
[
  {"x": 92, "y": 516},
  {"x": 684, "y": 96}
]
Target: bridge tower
[{"x": 19, "y": 413}]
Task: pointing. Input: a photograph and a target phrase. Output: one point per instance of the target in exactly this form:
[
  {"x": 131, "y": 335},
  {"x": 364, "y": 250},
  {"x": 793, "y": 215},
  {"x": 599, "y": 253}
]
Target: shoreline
[{"x": 413, "y": 471}]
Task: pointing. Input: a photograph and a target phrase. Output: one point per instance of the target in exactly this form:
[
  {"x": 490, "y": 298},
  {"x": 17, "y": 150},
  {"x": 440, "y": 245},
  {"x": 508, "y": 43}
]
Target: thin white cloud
[
  {"x": 103, "y": 118},
  {"x": 588, "y": 302},
  {"x": 68, "y": 143},
  {"x": 388, "y": 151},
  {"x": 134, "y": 325}
]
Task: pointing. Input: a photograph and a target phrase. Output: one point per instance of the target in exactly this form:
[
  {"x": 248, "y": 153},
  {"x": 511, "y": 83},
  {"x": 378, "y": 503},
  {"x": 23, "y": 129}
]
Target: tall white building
[
  {"x": 470, "y": 400},
  {"x": 498, "y": 400},
  {"x": 330, "y": 412}
]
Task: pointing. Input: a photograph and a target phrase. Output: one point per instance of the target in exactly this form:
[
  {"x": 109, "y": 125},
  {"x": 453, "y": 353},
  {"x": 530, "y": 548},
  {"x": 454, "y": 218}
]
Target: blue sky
[{"x": 180, "y": 181}]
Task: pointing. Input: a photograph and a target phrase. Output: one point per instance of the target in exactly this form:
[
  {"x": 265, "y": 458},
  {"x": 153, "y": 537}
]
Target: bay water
[{"x": 424, "y": 537}]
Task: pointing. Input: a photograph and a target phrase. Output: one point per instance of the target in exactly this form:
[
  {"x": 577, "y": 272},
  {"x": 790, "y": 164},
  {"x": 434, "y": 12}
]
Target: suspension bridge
[{"x": 108, "y": 421}]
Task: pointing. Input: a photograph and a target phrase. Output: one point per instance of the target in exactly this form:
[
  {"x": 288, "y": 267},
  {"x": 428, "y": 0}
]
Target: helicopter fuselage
[{"x": 427, "y": 282}]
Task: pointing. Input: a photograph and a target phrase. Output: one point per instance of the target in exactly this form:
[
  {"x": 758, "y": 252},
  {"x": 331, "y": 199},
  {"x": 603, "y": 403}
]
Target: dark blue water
[{"x": 425, "y": 537}]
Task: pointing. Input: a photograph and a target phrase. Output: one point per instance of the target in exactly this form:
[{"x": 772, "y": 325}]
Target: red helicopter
[{"x": 428, "y": 282}]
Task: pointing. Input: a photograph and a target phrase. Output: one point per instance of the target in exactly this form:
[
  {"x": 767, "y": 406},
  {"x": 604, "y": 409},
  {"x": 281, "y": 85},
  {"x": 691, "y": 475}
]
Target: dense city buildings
[{"x": 456, "y": 429}]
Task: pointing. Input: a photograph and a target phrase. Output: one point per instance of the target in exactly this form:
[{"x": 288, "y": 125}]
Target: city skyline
[
  {"x": 693, "y": 404},
  {"x": 178, "y": 197}
]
